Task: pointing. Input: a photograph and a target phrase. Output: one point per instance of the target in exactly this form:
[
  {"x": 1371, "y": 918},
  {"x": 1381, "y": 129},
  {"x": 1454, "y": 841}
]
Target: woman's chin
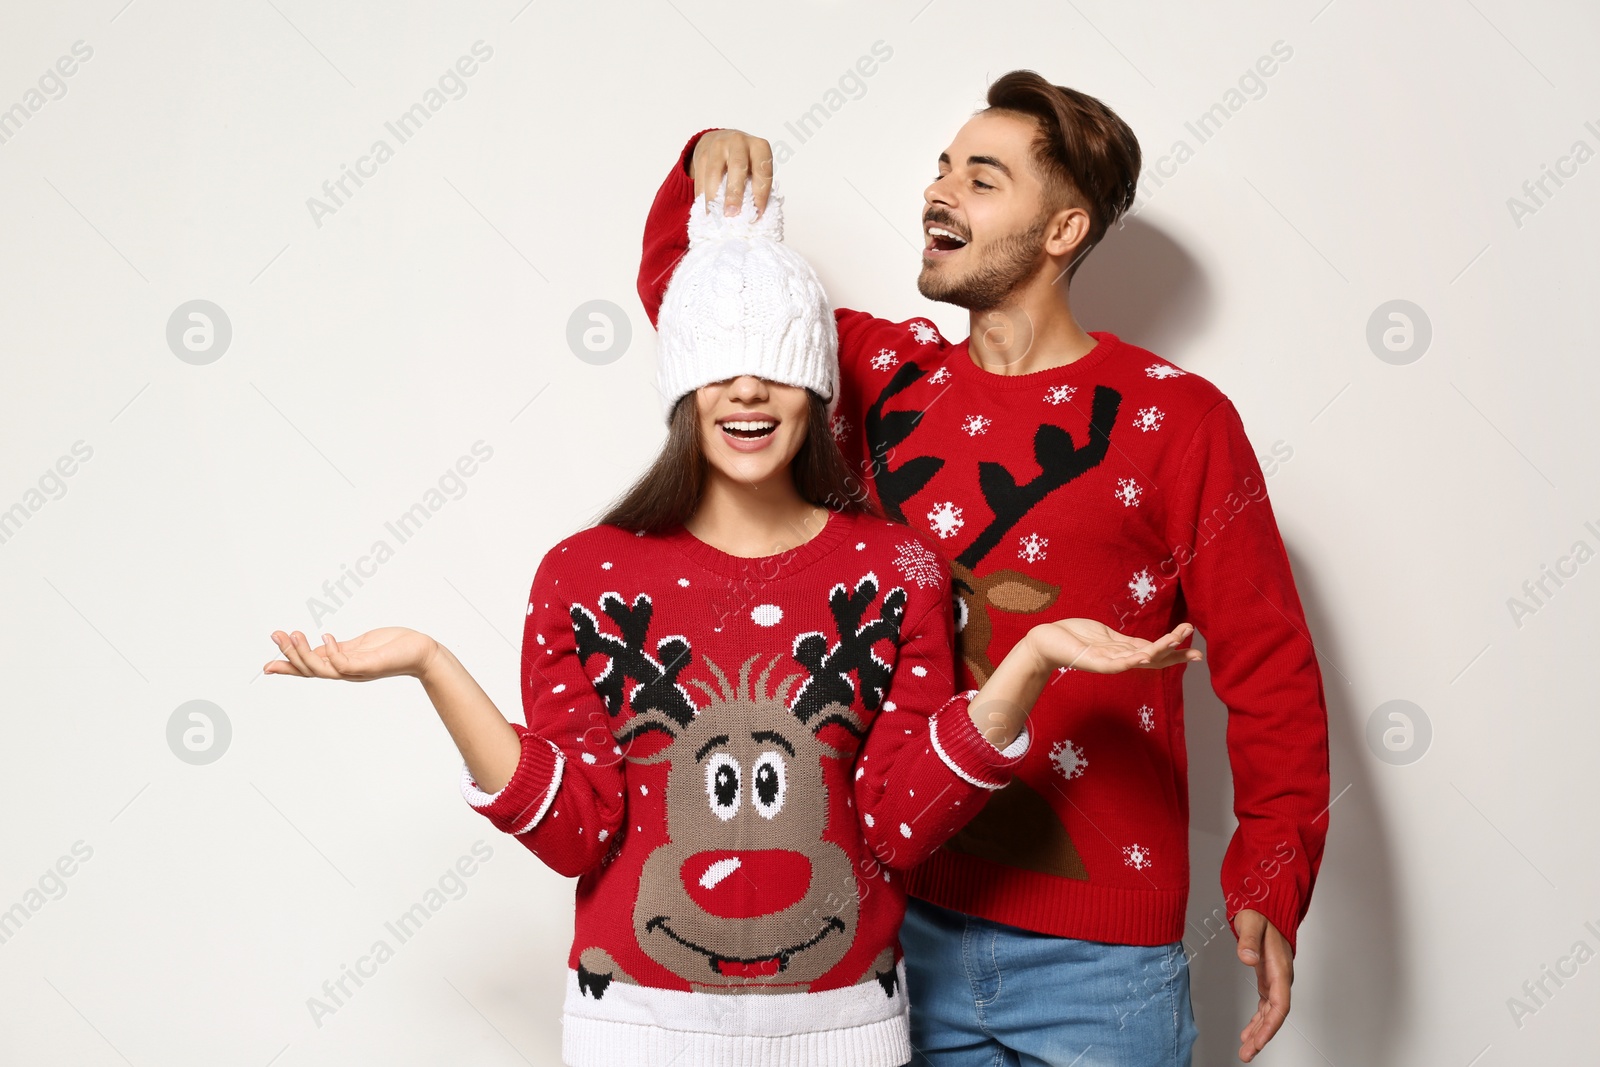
[
  {"x": 750, "y": 467},
  {"x": 749, "y": 470}
]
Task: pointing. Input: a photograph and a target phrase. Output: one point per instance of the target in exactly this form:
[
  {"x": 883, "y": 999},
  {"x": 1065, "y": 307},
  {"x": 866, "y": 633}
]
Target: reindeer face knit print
[
  {"x": 1121, "y": 488},
  {"x": 739, "y": 758}
]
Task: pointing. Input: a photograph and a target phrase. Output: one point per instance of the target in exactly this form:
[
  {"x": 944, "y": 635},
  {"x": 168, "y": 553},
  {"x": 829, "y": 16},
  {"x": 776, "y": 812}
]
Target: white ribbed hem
[
  {"x": 638, "y": 1026},
  {"x": 1017, "y": 748},
  {"x": 475, "y": 795}
]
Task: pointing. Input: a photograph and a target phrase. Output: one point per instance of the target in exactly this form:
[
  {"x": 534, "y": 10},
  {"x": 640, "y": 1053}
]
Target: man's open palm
[{"x": 1262, "y": 947}]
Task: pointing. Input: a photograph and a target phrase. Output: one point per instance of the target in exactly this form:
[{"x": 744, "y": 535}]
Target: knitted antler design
[
  {"x": 829, "y": 669},
  {"x": 883, "y": 432},
  {"x": 658, "y": 687},
  {"x": 1008, "y": 589},
  {"x": 1059, "y": 462}
]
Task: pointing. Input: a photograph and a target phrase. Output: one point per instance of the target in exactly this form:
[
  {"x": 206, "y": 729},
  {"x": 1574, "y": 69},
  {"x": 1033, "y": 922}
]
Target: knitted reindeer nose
[{"x": 742, "y": 302}]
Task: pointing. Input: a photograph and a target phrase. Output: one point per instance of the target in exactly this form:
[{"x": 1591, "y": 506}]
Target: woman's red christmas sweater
[{"x": 738, "y": 758}]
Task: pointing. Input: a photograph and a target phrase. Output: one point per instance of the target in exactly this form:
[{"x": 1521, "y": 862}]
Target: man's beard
[{"x": 1008, "y": 263}]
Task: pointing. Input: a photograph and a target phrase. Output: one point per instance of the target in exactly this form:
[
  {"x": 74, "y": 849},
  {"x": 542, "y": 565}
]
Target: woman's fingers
[
  {"x": 1163, "y": 652},
  {"x": 292, "y": 653},
  {"x": 278, "y": 666},
  {"x": 319, "y": 664},
  {"x": 1095, "y": 646},
  {"x": 300, "y": 654},
  {"x": 336, "y": 655},
  {"x": 356, "y": 664}
]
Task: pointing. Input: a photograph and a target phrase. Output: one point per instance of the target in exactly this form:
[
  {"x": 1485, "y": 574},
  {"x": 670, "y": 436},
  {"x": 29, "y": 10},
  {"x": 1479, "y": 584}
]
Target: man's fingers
[
  {"x": 738, "y": 170},
  {"x": 1265, "y": 1025},
  {"x": 1249, "y": 926},
  {"x": 1263, "y": 949},
  {"x": 1271, "y": 1023},
  {"x": 707, "y": 175},
  {"x": 741, "y": 159},
  {"x": 760, "y": 172}
]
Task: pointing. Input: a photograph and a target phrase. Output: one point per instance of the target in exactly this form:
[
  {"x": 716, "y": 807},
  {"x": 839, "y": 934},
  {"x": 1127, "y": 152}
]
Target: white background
[{"x": 430, "y": 311}]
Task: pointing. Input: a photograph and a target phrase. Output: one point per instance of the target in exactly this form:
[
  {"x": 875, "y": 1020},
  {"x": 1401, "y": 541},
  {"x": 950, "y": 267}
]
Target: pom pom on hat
[
  {"x": 742, "y": 302},
  {"x": 713, "y": 225}
]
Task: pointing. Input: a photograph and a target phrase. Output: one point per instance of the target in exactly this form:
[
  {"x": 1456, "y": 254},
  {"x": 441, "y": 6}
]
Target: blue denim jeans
[{"x": 984, "y": 994}]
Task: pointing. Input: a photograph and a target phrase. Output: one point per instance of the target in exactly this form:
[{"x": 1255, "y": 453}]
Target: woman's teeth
[{"x": 749, "y": 429}]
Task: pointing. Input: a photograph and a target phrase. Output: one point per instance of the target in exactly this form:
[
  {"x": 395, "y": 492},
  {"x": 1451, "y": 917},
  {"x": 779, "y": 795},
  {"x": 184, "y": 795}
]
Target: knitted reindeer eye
[
  {"x": 961, "y": 614},
  {"x": 770, "y": 784},
  {"x": 722, "y": 786}
]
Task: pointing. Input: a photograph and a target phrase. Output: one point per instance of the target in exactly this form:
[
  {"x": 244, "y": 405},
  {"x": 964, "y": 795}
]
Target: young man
[{"x": 1062, "y": 472}]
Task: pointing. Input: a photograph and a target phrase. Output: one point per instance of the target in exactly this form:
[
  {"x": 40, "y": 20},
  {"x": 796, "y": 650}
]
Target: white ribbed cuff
[
  {"x": 480, "y": 800},
  {"x": 1011, "y": 753}
]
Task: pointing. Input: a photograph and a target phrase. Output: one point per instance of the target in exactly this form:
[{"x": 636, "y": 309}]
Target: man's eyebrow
[
  {"x": 711, "y": 743},
  {"x": 989, "y": 161},
  {"x": 775, "y": 737},
  {"x": 979, "y": 161}
]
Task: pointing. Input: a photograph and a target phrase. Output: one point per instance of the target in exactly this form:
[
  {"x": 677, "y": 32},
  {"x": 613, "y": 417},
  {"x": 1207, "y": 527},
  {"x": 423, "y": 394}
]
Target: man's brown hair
[{"x": 1087, "y": 155}]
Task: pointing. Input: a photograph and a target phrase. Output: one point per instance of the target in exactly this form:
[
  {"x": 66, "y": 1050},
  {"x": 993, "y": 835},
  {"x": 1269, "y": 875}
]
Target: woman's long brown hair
[{"x": 667, "y": 494}]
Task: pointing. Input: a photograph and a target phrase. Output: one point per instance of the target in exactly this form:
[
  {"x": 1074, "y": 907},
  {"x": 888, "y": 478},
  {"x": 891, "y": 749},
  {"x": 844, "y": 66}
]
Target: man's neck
[{"x": 1034, "y": 331}]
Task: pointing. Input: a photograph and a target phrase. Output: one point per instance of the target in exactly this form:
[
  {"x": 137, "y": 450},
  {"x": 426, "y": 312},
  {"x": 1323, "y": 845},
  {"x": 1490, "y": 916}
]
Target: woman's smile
[{"x": 748, "y": 432}]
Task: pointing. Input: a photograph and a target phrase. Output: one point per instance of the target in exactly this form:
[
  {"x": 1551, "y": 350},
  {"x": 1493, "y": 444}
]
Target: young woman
[{"x": 741, "y": 710}]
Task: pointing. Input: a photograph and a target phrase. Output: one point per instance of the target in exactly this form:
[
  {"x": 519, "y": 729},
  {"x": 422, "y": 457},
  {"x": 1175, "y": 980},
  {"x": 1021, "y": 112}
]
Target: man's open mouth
[
  {"x": 749, "y": 429},
  {"x": 943, "y": 239},
  {"x": 746, "y": 966}
]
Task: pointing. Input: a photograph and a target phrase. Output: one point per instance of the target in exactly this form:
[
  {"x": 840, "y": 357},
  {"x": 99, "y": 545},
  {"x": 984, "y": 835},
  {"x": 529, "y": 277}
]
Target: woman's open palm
[
  {"x": 1087, "y": 645},
  {"x": 386, "y": 652}
]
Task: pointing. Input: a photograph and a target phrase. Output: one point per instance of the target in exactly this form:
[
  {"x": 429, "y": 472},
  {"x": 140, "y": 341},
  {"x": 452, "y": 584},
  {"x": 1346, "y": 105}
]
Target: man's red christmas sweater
[
  {"x": 1122, "y": 488},
  {"x": 738, "y": 758}
]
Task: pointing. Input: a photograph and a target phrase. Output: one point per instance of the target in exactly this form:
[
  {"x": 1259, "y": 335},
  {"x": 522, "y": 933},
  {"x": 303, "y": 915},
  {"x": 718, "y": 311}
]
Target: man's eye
[{"x": 981, "y": 185}]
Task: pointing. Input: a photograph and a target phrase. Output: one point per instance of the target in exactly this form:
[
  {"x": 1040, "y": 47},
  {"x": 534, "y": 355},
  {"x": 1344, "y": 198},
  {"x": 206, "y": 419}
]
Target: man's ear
[{"x": 1067, "y": 233}]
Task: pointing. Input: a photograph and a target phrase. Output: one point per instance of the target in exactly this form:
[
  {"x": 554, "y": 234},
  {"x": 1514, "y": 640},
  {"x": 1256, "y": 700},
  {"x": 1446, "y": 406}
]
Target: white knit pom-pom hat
[{"x": 743, "y": 302}]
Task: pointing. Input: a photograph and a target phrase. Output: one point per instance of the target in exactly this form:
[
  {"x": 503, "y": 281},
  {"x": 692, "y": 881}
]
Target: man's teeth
[{"x": 938, "y": 231}]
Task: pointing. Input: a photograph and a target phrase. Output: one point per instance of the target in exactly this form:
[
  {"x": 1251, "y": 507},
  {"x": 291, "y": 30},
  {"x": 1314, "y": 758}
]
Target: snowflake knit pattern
[
  {"x": 1122, "y": 488},
  {"x": 738, "y": 758}
]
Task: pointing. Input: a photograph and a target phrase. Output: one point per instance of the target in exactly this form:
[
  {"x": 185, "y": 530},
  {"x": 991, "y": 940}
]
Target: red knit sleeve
[
  {"x": 666, "y": 230},
  {"x": 872, "y": 357},
  {"x": 1235, "y": 578},
  {"x": 925, "y": 769},
  {"x": 565, "y": 801}
]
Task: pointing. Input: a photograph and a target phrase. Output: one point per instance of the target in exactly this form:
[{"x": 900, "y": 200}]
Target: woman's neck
[{"x": 750, "y": 520}]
